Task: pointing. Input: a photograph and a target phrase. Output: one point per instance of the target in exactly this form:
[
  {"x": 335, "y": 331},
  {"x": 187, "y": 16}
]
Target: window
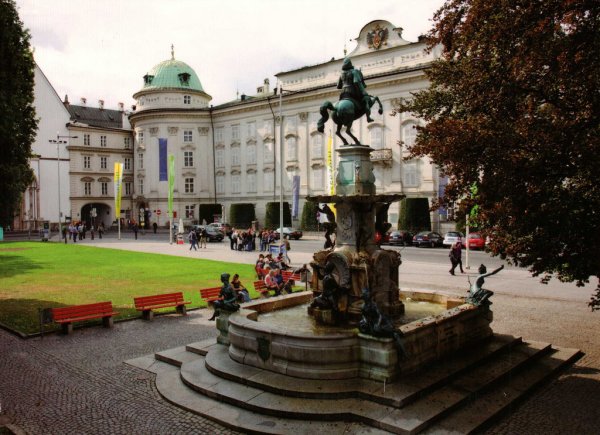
[
  {"x": 317, "y": 146},
  {"x": 86, "y": 139},
  {"x": 87, "y": 188},
  {"x": 187, "y": 99},
  {"x": 102, "y": 141},
  {"x": 269, "y": 128},
  {"x": 409, "y": 134},
  {"x": 141, "y": 160},
  {"x": 251, "y": 130},
  {"x": 87, "y": 162},
  {"x": 268, "y": 152},
  {"x": 235, "y": 183},
  {"x": 219, "y": 135},
  {"x": 126, "y": 142},
  {"x": 189, "y": 211},
  {"x": 291, "y": 148},
  {"x": 187, "y": 135},
  {"x": 188, "y": 159},
  {"x": 141, "y": 186},
  {"x": 235, "y": 156},
  {"x": 235, "y": 133},
  {"x": 317, "y": 178},
  {"x": 251, "y": 154},
  {"x": 127, "y": 188},
  {"x": 140, "y": 137},
  {"x": 219, "y": 157},
  {"x": 104, "y": 186},
  {"x": 268, "y": 182},
  {"x": 251, "y": 182},
  {"x": 376, "y": 137},
  {"x": 220, "y": 184},
  {"x": 127, "y": 164},
  {"x": 410, "y": 174},
  {"x": 189, "y": 185},
  {"x": 103, "y": 161}
]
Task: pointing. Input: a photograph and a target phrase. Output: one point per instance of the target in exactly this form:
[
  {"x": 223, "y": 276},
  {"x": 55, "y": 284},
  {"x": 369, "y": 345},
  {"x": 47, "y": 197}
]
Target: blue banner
[
  {"x": 162, "y": 160},
  {"x": 295, "y": 195}
]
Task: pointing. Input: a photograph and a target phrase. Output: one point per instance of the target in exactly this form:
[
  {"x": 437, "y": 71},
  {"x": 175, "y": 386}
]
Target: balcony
[{"x": 382, "y": 156}]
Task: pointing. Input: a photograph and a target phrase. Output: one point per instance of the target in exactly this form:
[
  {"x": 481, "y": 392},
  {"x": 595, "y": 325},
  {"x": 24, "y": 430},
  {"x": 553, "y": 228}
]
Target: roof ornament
[{"x": 172, "y": 52}]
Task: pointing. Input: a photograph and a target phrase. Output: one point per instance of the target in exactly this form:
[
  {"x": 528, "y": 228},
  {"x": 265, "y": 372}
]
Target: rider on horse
[{"x": 353, "y": 87}]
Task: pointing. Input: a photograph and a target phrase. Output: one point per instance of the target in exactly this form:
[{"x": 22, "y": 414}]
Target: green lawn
[{"x": 37, "y": 275}]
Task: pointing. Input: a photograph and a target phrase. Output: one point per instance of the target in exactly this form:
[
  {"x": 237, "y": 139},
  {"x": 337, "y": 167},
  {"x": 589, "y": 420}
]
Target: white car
[{"x": 453, "y": 236}]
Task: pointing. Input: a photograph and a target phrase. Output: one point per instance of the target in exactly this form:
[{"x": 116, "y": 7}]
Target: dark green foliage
[
  {"x": 414, "y": 215},
  {"x": 308, "y": 221},
  {"x": 17, "y": 114},
  {"x": 241, "y": 215},
  {"x": 514, "y": 109},
  {"x": 272, "y": 215},
  {"x": 208, "y": 211}
]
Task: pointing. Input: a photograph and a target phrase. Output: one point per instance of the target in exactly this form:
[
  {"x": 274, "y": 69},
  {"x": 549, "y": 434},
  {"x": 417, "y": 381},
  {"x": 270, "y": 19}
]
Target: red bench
[
  {"x": 77, "y": 313},
  {"x": 146, "y": 304},
  {"x": 261, "y": 287},
  {"x": 210, "y": 294},
  {"x": 289, "y": 275}
]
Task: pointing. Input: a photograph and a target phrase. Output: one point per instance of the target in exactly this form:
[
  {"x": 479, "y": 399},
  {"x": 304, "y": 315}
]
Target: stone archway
[{"x": 95, "y": 213}]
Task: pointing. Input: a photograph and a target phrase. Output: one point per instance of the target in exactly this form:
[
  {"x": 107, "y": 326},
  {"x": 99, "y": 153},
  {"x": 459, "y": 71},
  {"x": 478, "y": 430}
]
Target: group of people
[
  {"x": 197, "y": 238},
  {"x": 77, "y": 231},
  {"x": 248, "y": 240},
  {"x": 268, "y": 262}
]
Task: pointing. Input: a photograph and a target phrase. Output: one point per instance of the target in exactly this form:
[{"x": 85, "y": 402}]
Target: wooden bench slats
[
  {"x": 210, "y": 294},
  {"x": 287, "y": 275},
  {"x": 261, "y": 287},
  {"x": 144, "y": 303},
  {"x": 82, "y": 312}
]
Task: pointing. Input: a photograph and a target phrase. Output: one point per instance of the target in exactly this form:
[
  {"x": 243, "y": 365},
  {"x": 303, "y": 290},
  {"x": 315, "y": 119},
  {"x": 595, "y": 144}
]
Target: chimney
[
  {"x": 66, "y": 102},
  {"x": 121, "y": 107},
  {"x": 83, "y": 101},
  {"x": 101, "y": 104},
  {"x": 266, "y": 86}
]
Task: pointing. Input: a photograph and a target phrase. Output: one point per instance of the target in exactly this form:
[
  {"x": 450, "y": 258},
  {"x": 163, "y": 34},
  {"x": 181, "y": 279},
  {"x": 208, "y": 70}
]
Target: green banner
[
  {"x": 118, "y": 188},
  {"x": 171, "y": 183}
]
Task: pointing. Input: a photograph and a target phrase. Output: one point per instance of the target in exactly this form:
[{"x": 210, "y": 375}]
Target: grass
[{"x": 35, "y": 275}]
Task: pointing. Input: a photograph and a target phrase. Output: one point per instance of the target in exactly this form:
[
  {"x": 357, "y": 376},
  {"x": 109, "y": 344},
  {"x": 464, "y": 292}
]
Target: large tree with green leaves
[
  {"x": 17, "y": 115},
  {"x": 514, "y": 110}
]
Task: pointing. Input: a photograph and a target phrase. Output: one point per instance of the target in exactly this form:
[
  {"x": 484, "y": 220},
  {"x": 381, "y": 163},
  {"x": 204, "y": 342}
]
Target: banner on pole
[
  {"x": 295, "y": 195},
  {"x": 162, "y": 160},
  {"x": 118, "y": 188},
  {"x": 171, "y": 183},
  {"x": 330, "y": 170}
]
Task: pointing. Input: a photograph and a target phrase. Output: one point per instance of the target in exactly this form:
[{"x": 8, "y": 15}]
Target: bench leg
[
  {"x": 181, "y": 310},
  {"x": 148, "y": 315},
  {"x": 107, "y": 322},
  {"x": 67, "y": 328}
]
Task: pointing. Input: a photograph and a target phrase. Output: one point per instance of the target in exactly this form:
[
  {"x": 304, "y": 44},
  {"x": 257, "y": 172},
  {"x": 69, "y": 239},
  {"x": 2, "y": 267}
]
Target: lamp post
[{"x": 58, "y": 141}]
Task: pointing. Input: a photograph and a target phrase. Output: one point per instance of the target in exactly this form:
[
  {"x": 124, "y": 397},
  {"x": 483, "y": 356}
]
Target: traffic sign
[{"x": 158, "y": 212}]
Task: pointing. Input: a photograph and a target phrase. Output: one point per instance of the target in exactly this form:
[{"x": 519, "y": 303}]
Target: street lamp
[{"x": 58, "y": 141}]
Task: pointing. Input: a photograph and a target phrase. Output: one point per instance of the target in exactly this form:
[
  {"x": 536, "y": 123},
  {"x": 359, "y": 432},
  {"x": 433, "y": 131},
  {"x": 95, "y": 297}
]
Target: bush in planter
[
  {"x": 308, "y": 221},
  {"x": 272, "y": 215},
  {"x": 241, "y": 215}
]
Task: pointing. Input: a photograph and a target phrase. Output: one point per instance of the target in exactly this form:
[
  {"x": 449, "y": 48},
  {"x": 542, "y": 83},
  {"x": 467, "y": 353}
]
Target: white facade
[{"x": 235, "y": 146}]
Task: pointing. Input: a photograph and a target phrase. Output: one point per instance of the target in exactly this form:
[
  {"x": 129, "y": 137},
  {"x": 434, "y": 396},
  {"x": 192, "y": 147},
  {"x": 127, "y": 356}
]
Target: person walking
[
  {"x": 203, "y": 237},
  {"x": 100, "y": 230},
  {"x": 193, "y": 238},
  {"x": 135, "y": 230},
  {"x": 456, "y": 257},
  {"x": 154, "y": 227}
]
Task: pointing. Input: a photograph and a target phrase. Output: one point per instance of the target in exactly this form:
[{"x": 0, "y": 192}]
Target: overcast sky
[{"x": 101, "y": 49}]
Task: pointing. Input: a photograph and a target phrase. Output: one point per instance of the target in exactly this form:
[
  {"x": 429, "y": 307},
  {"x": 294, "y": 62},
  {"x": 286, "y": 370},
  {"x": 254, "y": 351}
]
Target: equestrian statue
[{"x": 353, "y": 104}]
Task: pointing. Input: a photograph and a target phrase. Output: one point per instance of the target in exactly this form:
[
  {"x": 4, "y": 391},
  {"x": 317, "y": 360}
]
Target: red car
[{"x": 476, "y": 241}]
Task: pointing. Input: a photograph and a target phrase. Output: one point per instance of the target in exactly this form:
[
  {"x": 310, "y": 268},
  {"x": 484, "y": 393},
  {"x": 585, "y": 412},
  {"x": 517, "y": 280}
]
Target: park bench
[
  {"x": 289, "y": 275},
  {"x": 146, "y": 304},
  {"x": 77, "y": 313},
  {"x": 261, "y": 288},
  {"x": 210, "y": 294}
]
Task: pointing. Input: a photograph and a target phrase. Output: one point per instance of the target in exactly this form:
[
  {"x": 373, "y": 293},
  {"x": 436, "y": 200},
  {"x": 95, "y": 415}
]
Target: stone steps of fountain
[{"x": 482, "y": 386}]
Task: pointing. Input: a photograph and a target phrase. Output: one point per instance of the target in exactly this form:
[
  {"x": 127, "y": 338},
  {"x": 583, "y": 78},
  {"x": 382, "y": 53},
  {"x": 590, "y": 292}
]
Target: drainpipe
[
  {"x": 274, "y": 156},
  {"x": 210, "y": 110}
]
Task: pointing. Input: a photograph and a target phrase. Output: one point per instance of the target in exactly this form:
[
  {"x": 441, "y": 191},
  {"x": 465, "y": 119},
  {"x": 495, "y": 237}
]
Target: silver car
[{"x": 453, "y": 236}]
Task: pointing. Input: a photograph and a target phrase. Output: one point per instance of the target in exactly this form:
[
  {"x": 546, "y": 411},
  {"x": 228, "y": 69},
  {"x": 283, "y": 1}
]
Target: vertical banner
[
  {"x": 295, "y": 195},
  {"x": 330, "y": 171},
  {"x": 118, "y": 188},
  {"x": 171, "y": 183},
  {"x": 162, "y": 160}
]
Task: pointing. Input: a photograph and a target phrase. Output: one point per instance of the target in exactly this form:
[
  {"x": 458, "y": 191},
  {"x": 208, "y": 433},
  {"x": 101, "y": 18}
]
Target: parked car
[
  {"x": 291, "y": 233},
  {"x": 428, "y": 238},
  {"x": 453, "y": 236},
  {"x": 378, "y": 238},
  {"x": 212, "y": 234},
  {"x": 224, "y": 228},
  {"x": 401, "y": 237},
  {"x": 476, "y": 241}
]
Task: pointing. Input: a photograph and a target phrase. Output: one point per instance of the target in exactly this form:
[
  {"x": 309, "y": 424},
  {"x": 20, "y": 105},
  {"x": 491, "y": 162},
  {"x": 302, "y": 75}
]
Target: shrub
[
  {"x": 241, "y": 215},
  {"x": 308, "y": 221},
  {"x": 272, "y": 215}
]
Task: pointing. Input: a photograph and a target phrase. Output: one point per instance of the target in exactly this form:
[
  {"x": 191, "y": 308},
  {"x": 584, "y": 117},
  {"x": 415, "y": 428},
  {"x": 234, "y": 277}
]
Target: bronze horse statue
[{"x": 345, "y": 112}]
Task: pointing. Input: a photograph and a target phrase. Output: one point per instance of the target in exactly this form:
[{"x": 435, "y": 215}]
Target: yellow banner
[
  {"x": 118, "y": 187},
  {"x": 330, "y": 171}
]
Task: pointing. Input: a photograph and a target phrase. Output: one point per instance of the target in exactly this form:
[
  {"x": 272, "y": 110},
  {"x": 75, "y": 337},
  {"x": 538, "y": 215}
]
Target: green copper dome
[{"x": 172, "y": 74}]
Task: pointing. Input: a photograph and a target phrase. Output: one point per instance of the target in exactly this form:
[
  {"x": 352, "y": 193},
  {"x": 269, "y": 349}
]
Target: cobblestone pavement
[{"x": 79, "y": 384}]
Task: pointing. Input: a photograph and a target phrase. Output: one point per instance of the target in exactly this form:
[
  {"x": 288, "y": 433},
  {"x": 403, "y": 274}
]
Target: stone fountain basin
[{"x": 345, "y": 353}]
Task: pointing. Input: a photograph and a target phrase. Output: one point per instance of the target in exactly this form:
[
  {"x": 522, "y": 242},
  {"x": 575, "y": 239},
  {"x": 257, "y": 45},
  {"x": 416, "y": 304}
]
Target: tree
[
  {"x": 272, "y": 215},
  {"x": 308, "y": 221},
  {"x": 513, "y": 109},
  {"x": 414, "y": 215},
  {"x": 17, "y": 114}
]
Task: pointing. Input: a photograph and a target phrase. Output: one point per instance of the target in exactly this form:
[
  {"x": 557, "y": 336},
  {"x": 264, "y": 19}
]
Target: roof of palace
[
  {"x": 172, "y": 74},
  {"x": 96, "y": 117}
]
